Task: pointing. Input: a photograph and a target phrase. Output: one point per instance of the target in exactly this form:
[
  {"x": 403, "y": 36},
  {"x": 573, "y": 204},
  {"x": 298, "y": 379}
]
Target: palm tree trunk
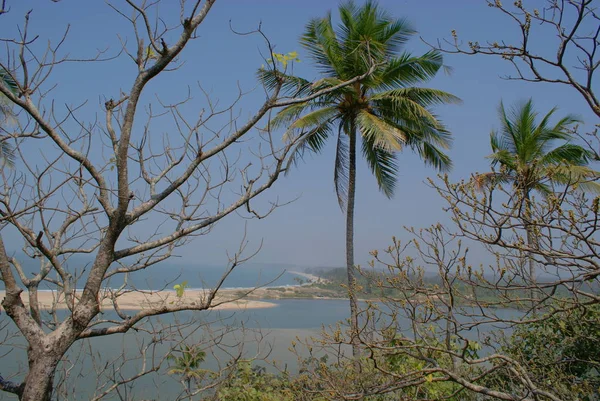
[
  {"x": 531, "y": 243},
  {"x": 350, "y": 243}
]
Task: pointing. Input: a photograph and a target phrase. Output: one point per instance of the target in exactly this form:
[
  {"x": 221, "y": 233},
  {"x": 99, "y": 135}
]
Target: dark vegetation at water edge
[
  {"x": 119, "y": 188},
  {"x": 377, "y": 285}
]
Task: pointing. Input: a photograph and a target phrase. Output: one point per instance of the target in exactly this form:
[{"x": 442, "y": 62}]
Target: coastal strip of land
[
  {"x": 227, "y": 298},
  {"x": 311, "y": 278},
  {"x": 140, "y": 300}
]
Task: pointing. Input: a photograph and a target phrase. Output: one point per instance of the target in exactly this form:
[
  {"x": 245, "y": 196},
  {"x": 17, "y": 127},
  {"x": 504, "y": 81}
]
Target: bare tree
[
  {"x": 447, "y": 336},
  {"x": 95, "y": 187},
  {"x": 569, "y": 30},
  {"x": 445, "y": 318}
]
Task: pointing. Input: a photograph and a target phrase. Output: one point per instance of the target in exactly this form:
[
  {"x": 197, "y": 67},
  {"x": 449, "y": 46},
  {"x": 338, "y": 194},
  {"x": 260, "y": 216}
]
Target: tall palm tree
[
  {"x": 385, "y": 107},
  {"x": 535, "y": 156},
  {"x": 7, "y": 155},
  {"x": 187, "y": 364}
]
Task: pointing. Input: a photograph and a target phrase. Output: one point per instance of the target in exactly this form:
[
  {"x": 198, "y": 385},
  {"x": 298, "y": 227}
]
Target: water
[
  {"x": 267, "y": 333},
  {"x": 166, "y": 274},
  {"x": 244, "y": 276}
]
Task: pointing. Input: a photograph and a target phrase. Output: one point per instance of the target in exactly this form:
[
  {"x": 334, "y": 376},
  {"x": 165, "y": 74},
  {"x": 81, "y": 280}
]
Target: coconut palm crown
[
  {"x": 385, "y": 108},
  {"x": 187, "y": 364},
  {"x": 531, "y": 156}
]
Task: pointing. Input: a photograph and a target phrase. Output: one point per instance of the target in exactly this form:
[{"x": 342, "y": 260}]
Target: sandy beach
[
  {"x": 227, "y": 299},
  {"x": 140, "y": 300}
]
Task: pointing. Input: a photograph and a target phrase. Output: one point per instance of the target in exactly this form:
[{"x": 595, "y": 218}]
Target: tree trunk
[
  {"x": 39, "y": 380},
  {"x": 350, "y": 244},
  {"x": 531, "y": 243}
]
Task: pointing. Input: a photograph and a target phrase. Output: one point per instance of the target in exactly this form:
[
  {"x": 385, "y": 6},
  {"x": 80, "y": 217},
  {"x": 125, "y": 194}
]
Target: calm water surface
[{"x": 267, "y": 332}]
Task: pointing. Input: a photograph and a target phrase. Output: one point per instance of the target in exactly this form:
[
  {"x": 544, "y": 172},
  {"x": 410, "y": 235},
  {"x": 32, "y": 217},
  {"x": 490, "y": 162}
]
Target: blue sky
[{"x": 309, "y": 231}]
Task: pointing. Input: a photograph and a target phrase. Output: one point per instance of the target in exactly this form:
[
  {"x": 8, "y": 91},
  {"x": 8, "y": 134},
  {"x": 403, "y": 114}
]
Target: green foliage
[
  {"x": 526, "y": 151},
  {"x": 561, "y": 352},
  {"x": 180, "y": 288},
  {"x": 338, "y": 380},
  {"x": 253, "y": 383},
  {"x": 283, "y": 59},
  {"x": 8, "y": 81},
  {"x": 384, "y": 107},
  {"x": 186, "y": 363},
  {"x": 404, "y": 362},
  {"x": 376, "y": 284},
  {"x": 7, "y": 153}
]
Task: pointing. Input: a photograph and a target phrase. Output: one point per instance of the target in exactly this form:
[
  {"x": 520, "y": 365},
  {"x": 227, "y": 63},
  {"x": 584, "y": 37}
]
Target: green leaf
[{"x": 180, "y": 288}]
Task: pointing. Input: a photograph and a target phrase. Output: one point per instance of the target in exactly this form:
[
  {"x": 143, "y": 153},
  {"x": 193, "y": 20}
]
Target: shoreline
[
  {"x": 232, "y": 298},
  {"x": 311, "y": 277},
  {"x": 142, "y": 300}
]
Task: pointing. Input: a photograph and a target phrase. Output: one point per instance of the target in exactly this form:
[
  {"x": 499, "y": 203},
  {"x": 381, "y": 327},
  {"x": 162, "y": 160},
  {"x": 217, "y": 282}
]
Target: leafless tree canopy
[
  {"x": 569, "y": 30},
  {"x": 114, "y": 188},
  {"x": 443, "y": 324}
]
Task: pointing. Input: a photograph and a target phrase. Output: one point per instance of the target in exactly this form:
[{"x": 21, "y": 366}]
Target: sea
[{"x": 165, "y": 275}]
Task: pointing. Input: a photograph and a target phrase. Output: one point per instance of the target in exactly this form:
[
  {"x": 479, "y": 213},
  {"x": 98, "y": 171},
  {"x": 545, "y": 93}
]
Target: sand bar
[{"x": 140, "y": 300}]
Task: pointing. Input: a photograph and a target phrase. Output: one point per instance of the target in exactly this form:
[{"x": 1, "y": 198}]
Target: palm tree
[
  {"x": 385, "y": 107},
  {"x": 528, "y": 157},
  {"x": 187, "y": 364},
  {"x": 6, "y": 115}
]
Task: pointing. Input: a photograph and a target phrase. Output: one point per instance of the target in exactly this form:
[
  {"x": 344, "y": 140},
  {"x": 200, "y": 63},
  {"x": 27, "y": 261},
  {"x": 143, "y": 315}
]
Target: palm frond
[
  {"x": 404, "y": 110},
  {"x": 286, "y": 116},
  {"x": 565, "y": 123},
  {"x": 322, "y": 44},
  {"x": 588, "y": 186},
  {"x": 560, "y": 130},
  {"x": 378, "y": 132},
  {"x": 7, "y": 154},
  {"x": 424, "y": 130},
  {"x": 504, "y": 158},
  {"x": 501, "y": 142},
  {"x": 382, "y": 164},
  {"x": 424, "y": 97},
  {"x": 8, "y": 81},
  {"x": 330, "y": 82},
  {"x": 340, "y": 172},
  {"x": 291, "y": 85},
  {"x": 406, "y": 70},
  {"x": 314, "y": 118},
  {"x": 506, "y": 135},
  {"x": 569, "y": 154},
  {"x": 7, "y": 115},
  {"x": 543, "y": 188},
  {"x": 396, "y": 34},
  {"x": 490, "y": 178},
  {"x": 582, "y": 177},
  {"x": 312, "y": 141},
  {"x": 524, "y": 122},
  {"x": 433, "y": 156}
]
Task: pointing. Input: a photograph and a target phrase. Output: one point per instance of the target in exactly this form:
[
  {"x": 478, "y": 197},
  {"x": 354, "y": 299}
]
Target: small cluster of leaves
[
  {"x": 283, "y": 59},
  {"x": 180, "y": 288}
]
